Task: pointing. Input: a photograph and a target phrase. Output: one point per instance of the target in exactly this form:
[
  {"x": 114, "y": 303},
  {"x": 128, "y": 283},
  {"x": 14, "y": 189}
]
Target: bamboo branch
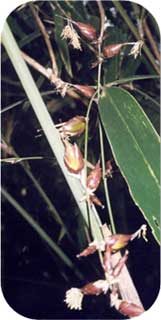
[
  {"x": 133, "y": 29},
  {"x": 151, "y": 40},
  {"x": 46, "y": 38},
  {"x": 102, "y": 16}
]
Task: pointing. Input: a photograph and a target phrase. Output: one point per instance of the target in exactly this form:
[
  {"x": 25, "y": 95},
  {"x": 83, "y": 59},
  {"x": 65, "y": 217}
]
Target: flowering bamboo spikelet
[
  {"x": 95, "y": 200},
  {"x": 107, "y": 262},
  {"x": 73, "y": 127},
  {"x": 119, "y": 241},
  {"x": 74, "y": 296},
  {"x": 136, "y": 49},
  {"x": 73, "y": 158},
  {"x": 89, "y": 250},
  {"x": 112, "y": 50},
  {"x": 115, "y": 242},
  {"x": 70, "y": 33},
  {"x": 130, "y": 309},
  {"x": 119, "y": 266},
  {"x": 96, "y": 288},
  {"x": 126, "y": 308},
  {"x": 94, "y": 178},
  {"x": 85, "y": 90},
  {"x": 87, "y": 30}
]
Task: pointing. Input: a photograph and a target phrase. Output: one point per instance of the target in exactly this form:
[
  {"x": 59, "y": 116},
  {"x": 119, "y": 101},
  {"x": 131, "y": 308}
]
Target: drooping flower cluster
[
  {"x": 70, "y": 33},
  {"x": 74, "y": 161},
  {"x": 111, "y": 244}
]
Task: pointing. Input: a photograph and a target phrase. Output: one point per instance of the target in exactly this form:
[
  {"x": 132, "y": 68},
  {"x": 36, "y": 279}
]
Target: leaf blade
[{"x": 135, "y": 145}]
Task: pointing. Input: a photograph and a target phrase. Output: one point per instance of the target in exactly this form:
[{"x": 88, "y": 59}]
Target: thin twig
[
  {"x": 46, "y": 38},
  {"x": 36, "y": 65},
  {"x": 151, "y": 40},
  {"x": 102, "y": 16},
  {"x": 86, "y": 135},
  {"x": 105, "y": 181},
  {"x": 56, "y": 81}
]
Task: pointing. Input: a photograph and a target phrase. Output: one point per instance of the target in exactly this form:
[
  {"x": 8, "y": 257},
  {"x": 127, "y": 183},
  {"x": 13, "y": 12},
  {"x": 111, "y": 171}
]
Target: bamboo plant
[{"x": 133, "y": 140}]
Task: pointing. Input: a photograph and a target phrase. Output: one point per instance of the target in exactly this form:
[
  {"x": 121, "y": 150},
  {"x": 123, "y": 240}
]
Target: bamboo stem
[
  {"x": 151, "y": 40},
  {"x": 45, "y": 120}
]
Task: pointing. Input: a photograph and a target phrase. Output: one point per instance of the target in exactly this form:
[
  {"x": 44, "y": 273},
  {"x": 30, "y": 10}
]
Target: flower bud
[
  {"x": 130, "y": 309},
  {"x": 94, "y": 178},
  {"x": 91, "y": 289},
  {"x": 89, "y": 250},
  {"x": 85, "y": 90},
  {"x": 112, "y": 50},
  {"x": 96, "y": 288},
  {"x": 73, "y": 127},
  {"x": 119, "y": 241},
  {"x": 87, "y": 30},
  {"x": 73, "y": 158}
]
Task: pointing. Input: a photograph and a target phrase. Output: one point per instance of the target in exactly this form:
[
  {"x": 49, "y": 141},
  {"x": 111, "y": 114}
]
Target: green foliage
[{"x": 135, "y": 146}]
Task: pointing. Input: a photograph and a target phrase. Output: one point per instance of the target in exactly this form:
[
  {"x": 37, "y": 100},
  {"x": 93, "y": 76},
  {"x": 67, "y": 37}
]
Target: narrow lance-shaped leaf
[{"x": 135, "y": 145}]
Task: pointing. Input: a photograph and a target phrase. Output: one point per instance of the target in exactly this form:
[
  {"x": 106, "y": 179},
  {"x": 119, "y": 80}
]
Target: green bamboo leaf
[{"x": 135, "y": 145}]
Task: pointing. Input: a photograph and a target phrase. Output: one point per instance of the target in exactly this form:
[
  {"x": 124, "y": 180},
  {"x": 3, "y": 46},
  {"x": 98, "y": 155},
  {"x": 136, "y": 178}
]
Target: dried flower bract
[
  {"x": 136, "y": 49},
  {"x": 73, "y": 298},
  {"x": 70, "y": 33}
]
